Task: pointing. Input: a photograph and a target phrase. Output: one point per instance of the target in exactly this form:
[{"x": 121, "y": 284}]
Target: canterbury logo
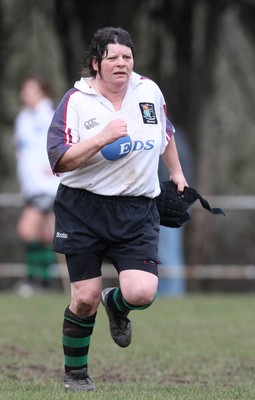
[{"x": 91, "y": 123}]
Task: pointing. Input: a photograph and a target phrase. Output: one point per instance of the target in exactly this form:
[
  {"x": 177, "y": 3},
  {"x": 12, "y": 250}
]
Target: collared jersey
[{"x": 126, "y": 167}]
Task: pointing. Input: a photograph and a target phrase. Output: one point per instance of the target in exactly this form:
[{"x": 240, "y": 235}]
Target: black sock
[
  {"x": 118, "y": 304},
  {"x": 76, "y": 340},
  {"x": 115, "y": 301}
]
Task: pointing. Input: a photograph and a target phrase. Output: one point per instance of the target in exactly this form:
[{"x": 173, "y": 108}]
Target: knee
[
  {"x": 143, "y": 296},
  {"x": 82, "y": 308},
  {"x": 84, "y": 305},
  {"x": 138, "y": 288}
]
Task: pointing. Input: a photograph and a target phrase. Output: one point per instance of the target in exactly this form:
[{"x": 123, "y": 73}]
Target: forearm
[
  {"x": 172, "y": 161},
  {"x": 171, "y": 157},
  {"x": 77, "y": 155}
]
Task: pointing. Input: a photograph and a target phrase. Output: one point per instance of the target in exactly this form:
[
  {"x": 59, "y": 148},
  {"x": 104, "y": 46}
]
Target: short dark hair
[{"x": 98, "y": 47}]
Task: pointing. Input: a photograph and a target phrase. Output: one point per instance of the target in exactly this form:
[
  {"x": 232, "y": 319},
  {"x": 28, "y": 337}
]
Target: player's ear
[{"x": 94, "y": 64}]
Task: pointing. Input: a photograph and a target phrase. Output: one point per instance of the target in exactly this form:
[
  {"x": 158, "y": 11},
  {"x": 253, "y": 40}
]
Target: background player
[{"x": 38, "y": 184}]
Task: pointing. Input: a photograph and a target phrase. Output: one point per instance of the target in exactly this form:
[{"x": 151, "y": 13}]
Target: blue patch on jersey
[{"x": 118, "y": 149}]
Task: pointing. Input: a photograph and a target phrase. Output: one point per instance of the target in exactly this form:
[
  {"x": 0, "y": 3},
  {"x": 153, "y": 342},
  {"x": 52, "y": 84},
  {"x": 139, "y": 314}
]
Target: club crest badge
[{"x": 148, "y": 113}]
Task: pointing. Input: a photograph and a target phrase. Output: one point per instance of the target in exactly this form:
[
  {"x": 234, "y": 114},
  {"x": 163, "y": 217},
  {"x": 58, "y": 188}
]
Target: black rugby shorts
[{"x": 91, "y": 227}]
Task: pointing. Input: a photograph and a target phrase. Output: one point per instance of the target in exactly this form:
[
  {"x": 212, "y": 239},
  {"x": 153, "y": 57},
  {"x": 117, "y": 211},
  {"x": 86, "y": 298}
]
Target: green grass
[{"x": 190, "y": 348}]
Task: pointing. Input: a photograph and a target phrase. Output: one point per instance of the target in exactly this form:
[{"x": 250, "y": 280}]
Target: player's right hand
[{"x": 114, "y": 130}]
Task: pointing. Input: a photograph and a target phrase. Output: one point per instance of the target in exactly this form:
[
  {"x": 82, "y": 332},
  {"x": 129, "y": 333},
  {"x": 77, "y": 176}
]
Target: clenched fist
[{"x": 114, "y": 130}]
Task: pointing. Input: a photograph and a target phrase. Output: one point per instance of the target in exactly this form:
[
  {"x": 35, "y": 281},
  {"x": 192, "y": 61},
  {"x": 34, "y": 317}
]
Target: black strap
[{"x": 191, "y": 195}]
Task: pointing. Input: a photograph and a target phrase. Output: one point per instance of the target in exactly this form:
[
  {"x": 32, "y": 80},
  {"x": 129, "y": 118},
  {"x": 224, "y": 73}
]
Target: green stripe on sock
[
  {"x": 75, "y": 342},
  {"x": 76, "y": 361},
  {"x": 115, "y": 294},
  {"x": 80, "y": 323}
]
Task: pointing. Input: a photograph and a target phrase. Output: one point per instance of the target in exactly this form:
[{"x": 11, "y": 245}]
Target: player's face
[
  {"x": 31, "y": 93},
  {"x": 117, "y": 65}
]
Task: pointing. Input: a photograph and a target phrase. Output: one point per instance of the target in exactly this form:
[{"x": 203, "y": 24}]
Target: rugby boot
[
  {"x": 120, "y": 325},
  {"x": 78, "y": 381}
]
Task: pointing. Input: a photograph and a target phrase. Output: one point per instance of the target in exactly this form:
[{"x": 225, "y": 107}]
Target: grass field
[{"x": 190, "y": 348}]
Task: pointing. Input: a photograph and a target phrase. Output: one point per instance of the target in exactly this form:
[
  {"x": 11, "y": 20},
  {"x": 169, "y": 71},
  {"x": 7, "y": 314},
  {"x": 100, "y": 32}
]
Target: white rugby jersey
[
  {"x": 127, "y": 167},
  {"x": 30, "y": 138}
]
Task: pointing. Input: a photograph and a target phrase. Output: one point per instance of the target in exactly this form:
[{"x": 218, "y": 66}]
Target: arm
[
  {"x": 66, "y": 151},
  {"x": 171, "y": 159},
  {"x": 77, "y": 155}
]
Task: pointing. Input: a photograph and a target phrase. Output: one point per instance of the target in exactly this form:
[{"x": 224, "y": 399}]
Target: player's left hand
[{"x": 180, "y": 181}]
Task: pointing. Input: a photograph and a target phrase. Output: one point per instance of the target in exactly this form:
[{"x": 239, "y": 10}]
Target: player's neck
[{"x": 114, "y": 94}]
